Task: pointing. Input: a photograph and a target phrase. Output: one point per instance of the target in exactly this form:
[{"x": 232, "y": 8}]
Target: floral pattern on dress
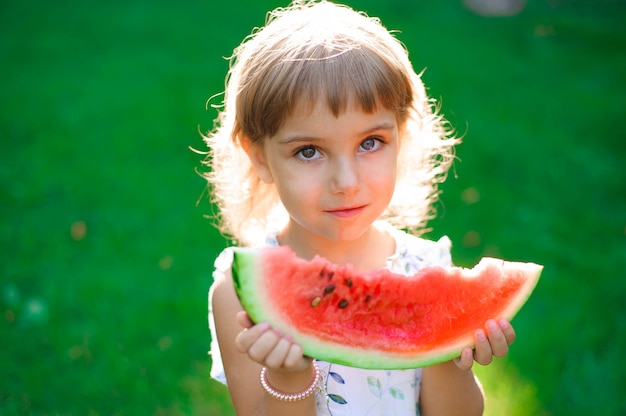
[
  {"x": 349, "y": 391},
  {"x": 355, "y": 391}
]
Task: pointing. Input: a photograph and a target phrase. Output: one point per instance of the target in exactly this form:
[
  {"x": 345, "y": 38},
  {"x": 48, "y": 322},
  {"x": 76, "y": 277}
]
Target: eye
[
  {"x": 370, "y": 144},
  {"x": 307, "y": 153}
]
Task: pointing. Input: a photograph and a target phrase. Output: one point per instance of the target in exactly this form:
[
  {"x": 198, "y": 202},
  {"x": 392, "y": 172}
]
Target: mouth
[{"x": 346, "y": 212}]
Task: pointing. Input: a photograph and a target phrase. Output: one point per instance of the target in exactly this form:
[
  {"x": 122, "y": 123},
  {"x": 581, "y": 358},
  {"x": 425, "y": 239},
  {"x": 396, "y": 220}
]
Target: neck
[{"x": 366, "y": 253}]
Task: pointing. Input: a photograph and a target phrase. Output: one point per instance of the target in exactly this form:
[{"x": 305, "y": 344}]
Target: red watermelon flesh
[{"x": 378, "y": 320}]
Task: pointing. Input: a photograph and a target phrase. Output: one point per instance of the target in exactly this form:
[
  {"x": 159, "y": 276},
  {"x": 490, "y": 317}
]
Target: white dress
[{"x": 354, "y": 391}]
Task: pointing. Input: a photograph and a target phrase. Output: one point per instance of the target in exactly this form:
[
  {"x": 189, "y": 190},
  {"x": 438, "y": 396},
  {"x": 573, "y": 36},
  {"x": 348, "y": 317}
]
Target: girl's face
[{"x": 334, "y": 175}]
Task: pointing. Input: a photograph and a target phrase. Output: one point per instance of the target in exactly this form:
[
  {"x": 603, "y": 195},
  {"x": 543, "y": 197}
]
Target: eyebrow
[{"x": 295, "y": 138}]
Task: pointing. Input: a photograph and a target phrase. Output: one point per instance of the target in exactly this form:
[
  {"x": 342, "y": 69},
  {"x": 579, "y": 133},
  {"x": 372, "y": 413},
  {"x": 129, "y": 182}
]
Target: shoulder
[
  {"x": 222, "y": 297},
  {"x": 223, "y": 301},
  {"x": 414, "y": 253},
  {"x": 434, "y": 252},
  {"x": 222, "y": 274},
  {"x": 223, "y": 262}
]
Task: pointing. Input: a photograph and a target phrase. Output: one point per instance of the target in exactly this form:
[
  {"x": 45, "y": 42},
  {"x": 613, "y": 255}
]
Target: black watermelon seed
[
  {"x": 348, "y": 282},
  {"x": 330, "y": 275},
  {"x": 329, "y": 289},
  {"x": 343, "y": 304},
  {"x": 367, "y": 298}
]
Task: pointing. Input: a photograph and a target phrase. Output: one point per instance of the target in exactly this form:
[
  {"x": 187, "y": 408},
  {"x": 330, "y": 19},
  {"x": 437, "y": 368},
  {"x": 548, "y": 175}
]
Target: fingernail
[
  {"x": 492, "y": 326},
  {"x": 504, "y": 324},
  {"x": 480, "y": 335},
  {"x": 264, "y": 326}
]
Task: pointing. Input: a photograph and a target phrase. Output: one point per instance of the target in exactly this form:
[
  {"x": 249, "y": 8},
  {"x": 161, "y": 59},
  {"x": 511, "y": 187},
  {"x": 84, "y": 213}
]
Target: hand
[
  {"x": 268, "y": 347},
  {"x": 492, "y": 343}
]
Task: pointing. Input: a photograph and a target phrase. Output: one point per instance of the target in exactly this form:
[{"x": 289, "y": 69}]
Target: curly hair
[{"x": 310, "y": 51}]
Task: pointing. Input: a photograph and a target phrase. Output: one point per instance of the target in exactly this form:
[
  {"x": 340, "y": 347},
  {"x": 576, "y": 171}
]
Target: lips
[{"x": 346, "y": 212}]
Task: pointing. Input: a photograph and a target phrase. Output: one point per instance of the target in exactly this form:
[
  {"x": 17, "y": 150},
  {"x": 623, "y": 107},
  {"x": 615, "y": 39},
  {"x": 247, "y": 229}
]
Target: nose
[{"x": 345, "y": 176}]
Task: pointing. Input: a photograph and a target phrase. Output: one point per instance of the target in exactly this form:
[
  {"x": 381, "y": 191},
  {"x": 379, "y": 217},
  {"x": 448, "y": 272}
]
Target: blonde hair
[{"x": 319, "y": 50}]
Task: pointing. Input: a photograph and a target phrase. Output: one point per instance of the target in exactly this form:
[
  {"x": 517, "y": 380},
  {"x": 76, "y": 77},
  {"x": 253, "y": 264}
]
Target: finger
[
  {"x": 507, "y": 329},
  {"x": 295, "y": 359},
  {"x": 497, "y": 339},
  {"x": 246, "y": 338},
  {"x": 277, "y": 355},
  {"x": 482, "y": 351},
  {"x": 465, "y": 360},
  {"x": 263, "y": 346},
  {"x": 243, "y": 319}
]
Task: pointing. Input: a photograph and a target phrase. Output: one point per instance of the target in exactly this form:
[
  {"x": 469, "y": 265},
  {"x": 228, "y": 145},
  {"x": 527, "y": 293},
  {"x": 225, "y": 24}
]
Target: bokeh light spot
[
  {"x": 166, "y": 262},
  {"x": 165, "y": 343},
  {"x": 470, "y": 196},
  {"x": 495, "y": 7},
  {"x": 78, "y": 230},
  {"x": 471, "y": 239}
]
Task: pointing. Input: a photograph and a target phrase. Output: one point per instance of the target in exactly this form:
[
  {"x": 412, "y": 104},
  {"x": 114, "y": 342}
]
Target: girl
[{"x": 326, "y": 132}]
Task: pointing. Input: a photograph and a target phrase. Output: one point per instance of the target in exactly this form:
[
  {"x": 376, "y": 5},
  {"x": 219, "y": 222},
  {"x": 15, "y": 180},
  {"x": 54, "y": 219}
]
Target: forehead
[{"x": 318, "y": 121}]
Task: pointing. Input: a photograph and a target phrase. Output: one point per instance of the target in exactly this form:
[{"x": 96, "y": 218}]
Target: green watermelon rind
[{"x": 246, "y": 266}]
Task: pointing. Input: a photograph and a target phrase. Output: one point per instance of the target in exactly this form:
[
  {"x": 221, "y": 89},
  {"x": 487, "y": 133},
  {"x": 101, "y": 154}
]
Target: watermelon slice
[{"x": 378, "y": 320}]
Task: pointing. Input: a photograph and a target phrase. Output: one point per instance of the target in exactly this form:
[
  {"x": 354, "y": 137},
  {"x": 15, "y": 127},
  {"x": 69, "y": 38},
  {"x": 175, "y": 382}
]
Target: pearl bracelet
[{"x": 291, "y": 397}]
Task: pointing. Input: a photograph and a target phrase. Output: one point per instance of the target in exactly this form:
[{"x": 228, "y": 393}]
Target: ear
[{"x": 256, "y": 154}]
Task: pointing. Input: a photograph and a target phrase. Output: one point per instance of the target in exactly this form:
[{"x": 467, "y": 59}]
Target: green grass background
[{"x": 106, "y": 254}]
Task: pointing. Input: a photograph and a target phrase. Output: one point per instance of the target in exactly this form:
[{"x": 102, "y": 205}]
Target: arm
[
  {"x": 451, "y": 388},
  {"x": 246, "y": 348}
]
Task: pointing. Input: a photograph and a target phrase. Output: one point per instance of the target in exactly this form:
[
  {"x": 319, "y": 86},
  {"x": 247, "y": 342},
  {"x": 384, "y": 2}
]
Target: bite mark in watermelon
[{"x": 378, "y": 320}]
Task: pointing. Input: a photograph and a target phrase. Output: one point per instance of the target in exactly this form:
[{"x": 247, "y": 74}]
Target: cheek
[
  {"x": 383, "y": 175},
  {"x": 297, "y": 189},
  {"x": 388, "y": 185}
]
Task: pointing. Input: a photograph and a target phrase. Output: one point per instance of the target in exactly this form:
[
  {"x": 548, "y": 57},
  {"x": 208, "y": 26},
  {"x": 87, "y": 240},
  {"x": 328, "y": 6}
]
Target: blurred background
[{"x": 107, "y": 254}]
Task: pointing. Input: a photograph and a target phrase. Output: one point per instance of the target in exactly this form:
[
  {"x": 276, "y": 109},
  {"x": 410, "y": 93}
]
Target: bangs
[
  {"x": 338, "y": 76},
  {"x": 355, "y": 74}
]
